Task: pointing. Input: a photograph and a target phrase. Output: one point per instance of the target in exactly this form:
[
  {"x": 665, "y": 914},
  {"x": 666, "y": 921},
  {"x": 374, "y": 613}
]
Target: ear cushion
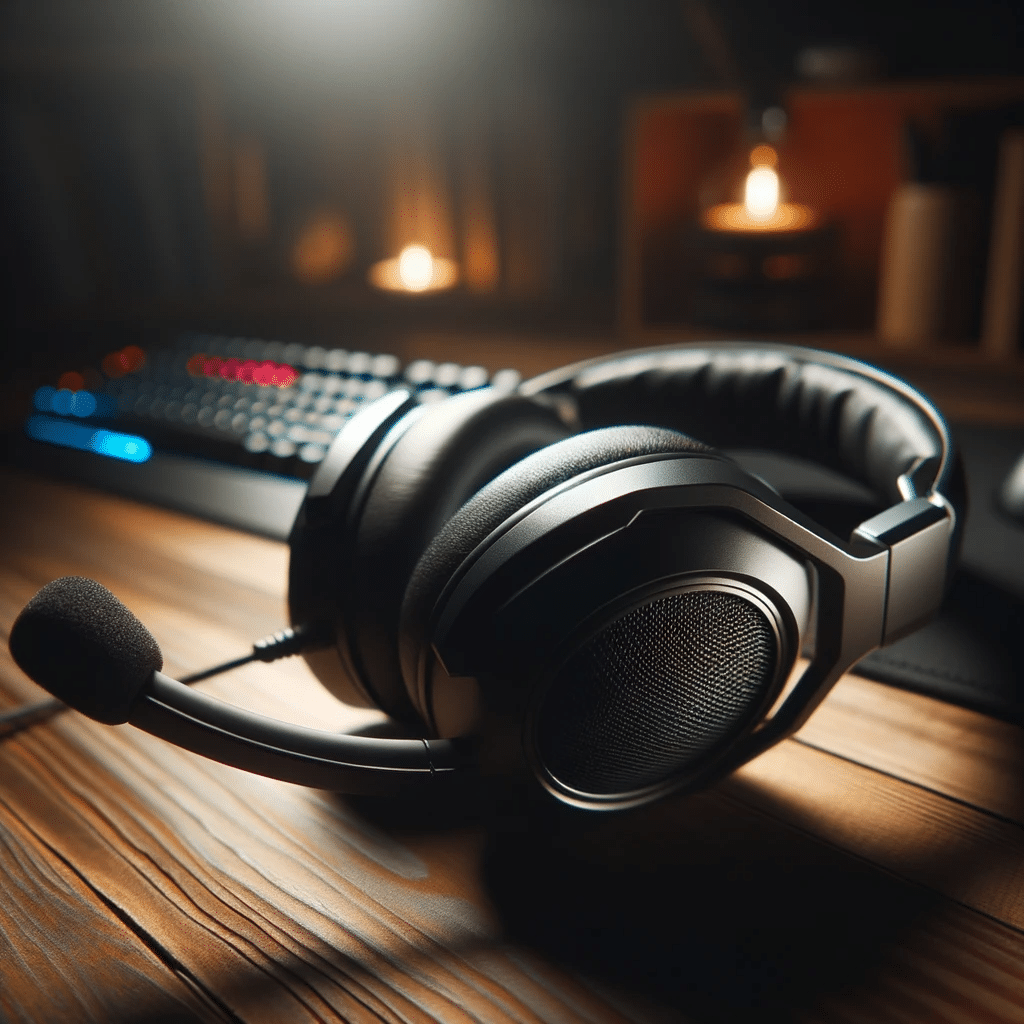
[
  {"x": 443, "y": 454},
  {"x": 503, "y": 497}
]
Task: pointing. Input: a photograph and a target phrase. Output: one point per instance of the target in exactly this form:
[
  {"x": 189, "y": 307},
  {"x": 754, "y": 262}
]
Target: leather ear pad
[
  {"x": 503, "y": 497},
  {"x": 817, "y": 405},
  {"x": 448, "y": 451}
]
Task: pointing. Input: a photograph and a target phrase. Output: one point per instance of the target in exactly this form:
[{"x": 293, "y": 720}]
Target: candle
[
  {"x": 762, "y": 263},
  {"x": 415, "y": 270},
  {"x": 762, "y": 209}
]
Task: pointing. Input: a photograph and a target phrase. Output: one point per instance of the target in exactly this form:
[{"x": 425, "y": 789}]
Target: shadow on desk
[{"x": 727, "y": 906}]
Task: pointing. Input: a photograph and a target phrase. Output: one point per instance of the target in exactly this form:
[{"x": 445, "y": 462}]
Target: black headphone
[
  {"x": 616, "y": 608},
  {"x": 613, "y": 610}
]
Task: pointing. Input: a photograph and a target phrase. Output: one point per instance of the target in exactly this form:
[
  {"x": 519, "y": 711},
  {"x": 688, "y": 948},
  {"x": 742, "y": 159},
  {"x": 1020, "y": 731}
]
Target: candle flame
[
  {"x": 416, "y": 267},
  {"x": 761, "y": 193}
]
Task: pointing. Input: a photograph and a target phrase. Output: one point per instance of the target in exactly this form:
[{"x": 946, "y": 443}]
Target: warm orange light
[
  {"x": 734, "y": 217},
  {"x": 72, "y": 381},
  {"x": 762, "y": 208},
  {"x": 761, "y": 193},
  {"x": 764, "y": 156},
  {"x": 323, "y": 249},
  {"x": 415, "y": 269}
]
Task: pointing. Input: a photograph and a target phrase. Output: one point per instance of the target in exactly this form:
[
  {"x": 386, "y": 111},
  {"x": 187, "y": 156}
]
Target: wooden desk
[{"x": 872, "y": 869}]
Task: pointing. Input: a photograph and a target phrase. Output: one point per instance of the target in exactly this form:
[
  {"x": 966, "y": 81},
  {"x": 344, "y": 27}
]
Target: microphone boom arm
[{"x": 292, "y": 753}]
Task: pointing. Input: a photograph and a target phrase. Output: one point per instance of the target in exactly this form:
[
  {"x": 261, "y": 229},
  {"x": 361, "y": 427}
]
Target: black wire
[{"x": 226, "y": 666}]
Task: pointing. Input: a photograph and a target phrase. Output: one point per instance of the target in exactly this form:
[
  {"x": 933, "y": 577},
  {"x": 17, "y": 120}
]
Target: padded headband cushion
[
  {"x": 817, "y": 405},
  {"x": 502, "y": 498},
  {"x": 445, "y": 453}
]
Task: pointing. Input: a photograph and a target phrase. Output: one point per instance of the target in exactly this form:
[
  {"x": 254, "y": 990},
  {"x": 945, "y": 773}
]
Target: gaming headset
[{"x": 556, "y": 583}]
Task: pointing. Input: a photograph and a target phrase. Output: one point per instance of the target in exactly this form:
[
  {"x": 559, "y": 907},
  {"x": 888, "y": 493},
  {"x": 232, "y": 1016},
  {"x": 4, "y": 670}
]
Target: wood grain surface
[{"x": 871, "y": 869}]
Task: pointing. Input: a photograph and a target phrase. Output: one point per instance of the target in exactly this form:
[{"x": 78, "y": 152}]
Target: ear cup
[
  {"x": 655, "y": 691},
  {"x": 447, "y": 452},
  {"x": 504, "y": 497}
]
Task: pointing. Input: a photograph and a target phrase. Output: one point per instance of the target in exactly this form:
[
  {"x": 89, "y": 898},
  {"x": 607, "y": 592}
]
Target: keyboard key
[
  {"x": 315, "y": 356},
  {"x": 293, "y": 354},
  {"x": 336, "y": 360},
  {"x": 447, "y": 375},
  {"x": 359, "y": 363},
  {"x": 473, "y": 377},
  {"x": 283, "y": 448},
  {"x": 419, "y": 372},
  {"x": 385, "y": 366},
  {"x": 312, "y": 453},
  {"x": 256, "y": 442},
  {"x": 506, "y": 380}
]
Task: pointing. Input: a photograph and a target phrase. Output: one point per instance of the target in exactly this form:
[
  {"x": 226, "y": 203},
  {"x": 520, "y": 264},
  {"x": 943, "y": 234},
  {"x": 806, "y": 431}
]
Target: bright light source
[
  {"x": 414, "y": 271},
  {"x": 416, "y": 267},
  {"x": 761, "y": 193},
  {"x": 68, "y": 434}
]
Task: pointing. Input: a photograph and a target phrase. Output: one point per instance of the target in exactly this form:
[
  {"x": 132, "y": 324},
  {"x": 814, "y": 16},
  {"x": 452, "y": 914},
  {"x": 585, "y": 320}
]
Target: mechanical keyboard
[{"x": 223, "y": 427}]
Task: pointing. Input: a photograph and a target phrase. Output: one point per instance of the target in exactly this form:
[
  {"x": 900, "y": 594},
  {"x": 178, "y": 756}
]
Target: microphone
[{"x": 79, "y": 642}]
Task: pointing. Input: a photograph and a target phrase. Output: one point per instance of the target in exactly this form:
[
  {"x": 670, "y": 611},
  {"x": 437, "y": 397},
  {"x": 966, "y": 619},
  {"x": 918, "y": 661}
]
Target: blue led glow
[
  {"x": 73, "y": 403},
  {"x": 69, "y": 434},
  {"x": 43, "y": 398},
  {"x": 83, "y": 403},
  {"x": 63, "y": 401},
  {"x": 121, "y": 446}
]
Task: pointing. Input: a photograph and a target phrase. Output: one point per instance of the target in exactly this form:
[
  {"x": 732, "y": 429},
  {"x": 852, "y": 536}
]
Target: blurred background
[{"x": 346, "y": 169}]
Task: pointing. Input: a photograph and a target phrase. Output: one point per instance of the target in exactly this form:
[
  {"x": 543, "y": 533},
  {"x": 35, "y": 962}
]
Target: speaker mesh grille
[{"x": 654, "y": 691}]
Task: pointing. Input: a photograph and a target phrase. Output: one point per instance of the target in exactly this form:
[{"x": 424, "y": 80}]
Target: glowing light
[
  {"x": 248, "y": 371},
  {"x": 83, "y": 404},
  {"x": 764, "y": 156},
  {"x": 68, "y": 434},
  {"x": 62, "y": 402},
  {"x": 416, "y": 267},
  {"x": 43, "y": 398},
  {"x": 72, "y": 380},
  {"x": 414, "y": 270},
  {"x": 129, "y": 359},
  {"x": 762, "y": 208},
  {"x": 72, "y": 403},
  {"x": 761, "y": 193},
  {"x": 129, "y": 447},
  {"x": 229, "y": 369},
  {"x": 734, "y": 217},
  {"x": 133, "y": 357}
]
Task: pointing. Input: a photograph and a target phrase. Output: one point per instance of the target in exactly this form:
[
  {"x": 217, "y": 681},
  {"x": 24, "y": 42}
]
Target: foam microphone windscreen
[{"x": 75, "y": 639}]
